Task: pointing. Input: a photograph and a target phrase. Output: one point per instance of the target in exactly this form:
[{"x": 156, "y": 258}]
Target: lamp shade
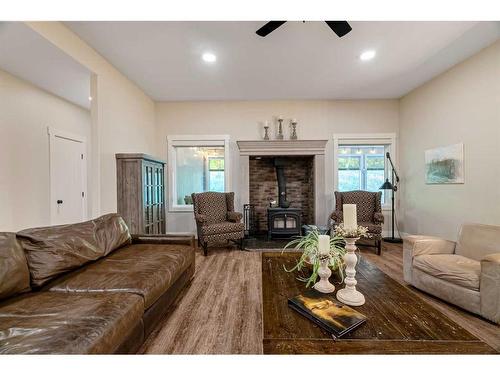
[{"x": 387, "y": 185}]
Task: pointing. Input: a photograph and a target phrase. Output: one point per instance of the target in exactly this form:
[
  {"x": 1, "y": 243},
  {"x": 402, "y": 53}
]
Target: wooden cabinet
[{"x": 141, "y": 192}]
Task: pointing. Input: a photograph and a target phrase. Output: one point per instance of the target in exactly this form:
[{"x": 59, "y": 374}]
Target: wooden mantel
[{"x": 285, "y": 147}]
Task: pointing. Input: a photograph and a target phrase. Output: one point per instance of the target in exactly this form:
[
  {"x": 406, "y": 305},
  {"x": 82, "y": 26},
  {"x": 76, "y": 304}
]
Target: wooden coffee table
[{"x": 399, "y": 321}]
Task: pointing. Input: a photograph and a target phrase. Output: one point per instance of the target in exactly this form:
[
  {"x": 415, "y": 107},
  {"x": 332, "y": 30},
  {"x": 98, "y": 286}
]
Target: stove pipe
[{"x": 279, "y": 165}]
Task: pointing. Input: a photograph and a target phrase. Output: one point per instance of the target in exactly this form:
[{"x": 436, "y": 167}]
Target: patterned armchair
[
  {"x": 216, "y": 220},
  {"x": 368, "y": 209}
]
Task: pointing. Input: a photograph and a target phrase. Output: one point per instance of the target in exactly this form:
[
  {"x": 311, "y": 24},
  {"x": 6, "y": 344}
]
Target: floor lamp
[{"x": 393, "y": 186}]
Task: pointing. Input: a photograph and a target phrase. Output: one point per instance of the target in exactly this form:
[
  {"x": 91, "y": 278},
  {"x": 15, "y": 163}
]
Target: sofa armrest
[
  {"x": 378, "y": 218},
  {"x": 164, "y": 239},
  {"x": 490, "y": 287},
  {"x": 234, "y": 217},
  {"x": 420, "y": 245},
  {"x": 337, "y": 217}
]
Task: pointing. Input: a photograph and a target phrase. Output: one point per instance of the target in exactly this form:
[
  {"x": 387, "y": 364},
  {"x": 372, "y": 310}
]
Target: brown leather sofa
[{"x": 87, "y": 288}]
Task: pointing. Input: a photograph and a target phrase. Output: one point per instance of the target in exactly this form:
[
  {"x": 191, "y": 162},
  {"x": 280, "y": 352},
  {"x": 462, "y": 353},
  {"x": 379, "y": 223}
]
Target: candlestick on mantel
[
  {"x": 324, "y": 244},
  {"x": 350, "y": 216}
]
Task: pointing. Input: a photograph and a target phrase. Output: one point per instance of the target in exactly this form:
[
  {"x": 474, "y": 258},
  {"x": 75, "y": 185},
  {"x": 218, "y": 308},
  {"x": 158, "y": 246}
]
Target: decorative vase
[
  {"x": 349, "y": 295},
  {"x": 324, "y": 272}
]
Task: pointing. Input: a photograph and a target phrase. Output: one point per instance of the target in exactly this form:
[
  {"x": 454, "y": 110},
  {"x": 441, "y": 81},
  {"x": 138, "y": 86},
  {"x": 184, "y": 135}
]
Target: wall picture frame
[{"x": 445, "y": 165}]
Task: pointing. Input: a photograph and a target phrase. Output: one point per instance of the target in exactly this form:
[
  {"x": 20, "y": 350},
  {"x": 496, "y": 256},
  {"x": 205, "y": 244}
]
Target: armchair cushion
[
  {"x": 234, "y": 217},
  {"x": 220, "y": 228},
  {"x": 366, "y": 202},
  {"x": 216, "y": 220},
  {"x": 453, "y": 268},
  {"x": 478, "y": 240},
  {"x": 213, "y": 206}
]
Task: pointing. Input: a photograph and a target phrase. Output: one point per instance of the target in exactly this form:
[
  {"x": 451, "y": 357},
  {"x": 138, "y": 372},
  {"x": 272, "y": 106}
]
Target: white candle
[
  {"x": 280, "y": 117},
  {"x": 350, "y": 218},
  {"x": 324, "y": 244},
  {"x": 294, "y": 120}
]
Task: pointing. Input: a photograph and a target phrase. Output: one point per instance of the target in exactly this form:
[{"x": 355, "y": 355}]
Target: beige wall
[
  {"x": 240, "y": 120},
  {"x": 123, "y": 115},
  {"x": 461, "y": 105},
  {"x": 25, "y": 113}
]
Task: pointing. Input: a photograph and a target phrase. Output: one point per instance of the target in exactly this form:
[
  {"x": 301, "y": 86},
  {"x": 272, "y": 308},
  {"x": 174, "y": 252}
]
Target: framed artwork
[{"x": 445, "y": 165}]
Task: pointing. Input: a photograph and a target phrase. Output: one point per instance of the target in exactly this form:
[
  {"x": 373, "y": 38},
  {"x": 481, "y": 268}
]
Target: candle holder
[
  {"x": 293, "y": 125},
  {"x": 349, "y": 295},
  {"x": 266, "y": 133},
  {"x": 324, "y": 272},
  {"x": 280, "y": 129}
]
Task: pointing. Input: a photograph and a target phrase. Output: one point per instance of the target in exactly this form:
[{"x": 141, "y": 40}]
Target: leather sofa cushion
[
  {"x": 14, "y": 273},
  {"x": 454, "y": 268},
  {"x": 224, "y": 227},
  {"x": 52, "y": 251},
  {"x": 144, "y": 269},
  {"x": 62, "y": 323}
]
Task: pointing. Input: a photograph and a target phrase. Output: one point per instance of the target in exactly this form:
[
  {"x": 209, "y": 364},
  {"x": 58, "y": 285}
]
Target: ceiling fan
[{"x": 340, "y": 28}]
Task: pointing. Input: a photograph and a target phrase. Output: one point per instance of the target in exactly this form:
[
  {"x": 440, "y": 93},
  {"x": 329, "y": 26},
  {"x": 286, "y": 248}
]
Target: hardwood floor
[{"x": 221, "y": 311}]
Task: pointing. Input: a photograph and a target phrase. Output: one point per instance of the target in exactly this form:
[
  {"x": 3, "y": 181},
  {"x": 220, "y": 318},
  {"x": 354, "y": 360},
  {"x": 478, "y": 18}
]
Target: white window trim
[
  {"x": 369, "y": 139},
  {"x": 194, "y": 141}
]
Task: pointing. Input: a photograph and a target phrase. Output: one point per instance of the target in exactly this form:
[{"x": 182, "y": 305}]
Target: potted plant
[{"x": 309, "y": 244}]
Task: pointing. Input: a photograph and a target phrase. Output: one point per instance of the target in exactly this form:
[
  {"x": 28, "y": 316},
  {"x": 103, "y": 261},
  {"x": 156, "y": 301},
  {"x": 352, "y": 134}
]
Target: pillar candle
[
  {"x": 324, "y": 244},
  {"x": 350, "y": 218}
]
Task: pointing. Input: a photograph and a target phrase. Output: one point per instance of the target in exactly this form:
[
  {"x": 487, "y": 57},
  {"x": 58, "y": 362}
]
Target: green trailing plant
[{"x": 308, "y": 244}]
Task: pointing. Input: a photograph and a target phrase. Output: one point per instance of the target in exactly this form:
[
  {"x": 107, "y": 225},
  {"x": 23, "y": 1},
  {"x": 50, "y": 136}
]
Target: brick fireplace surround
[
  {"x": 263, "y": 186},
  {"x": 305, "y": 181}
]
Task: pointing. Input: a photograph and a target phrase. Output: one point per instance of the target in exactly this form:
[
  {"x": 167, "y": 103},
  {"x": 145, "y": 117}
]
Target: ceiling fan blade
[
  {"x": 269, "y": 27},
  {"x": 340, "y": 28}
]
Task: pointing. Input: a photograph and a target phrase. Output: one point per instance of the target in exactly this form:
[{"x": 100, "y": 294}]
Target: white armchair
[{"x": 465, "y": 273}]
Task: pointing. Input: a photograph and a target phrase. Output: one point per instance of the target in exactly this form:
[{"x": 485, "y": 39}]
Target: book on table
[{"x": 325, "y": 311}]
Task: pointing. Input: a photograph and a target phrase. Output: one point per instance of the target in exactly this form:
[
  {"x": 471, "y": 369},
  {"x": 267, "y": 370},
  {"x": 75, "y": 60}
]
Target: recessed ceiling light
[
  {"x": 367, "y": 55},
  {"x": 90, "y": 98},
  {"x": 209, "y": 57}
]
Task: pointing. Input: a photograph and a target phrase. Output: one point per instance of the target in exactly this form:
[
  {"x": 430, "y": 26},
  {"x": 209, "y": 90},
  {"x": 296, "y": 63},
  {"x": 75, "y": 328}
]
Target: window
[
  {"x": 360, "y": 162},
  {"x": 361, "y": 167},
  {"x": 216, "y": 173},
  {"x": 195, "y": 166}
]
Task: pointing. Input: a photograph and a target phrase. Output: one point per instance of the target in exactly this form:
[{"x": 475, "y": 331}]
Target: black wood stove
[{"x": 283, "y": 221}]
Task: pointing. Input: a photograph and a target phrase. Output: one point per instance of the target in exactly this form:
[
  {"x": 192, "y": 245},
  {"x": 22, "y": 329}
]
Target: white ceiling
[
  {"x": 296, "y": 61},
  {"x": 27, "y": 55}
]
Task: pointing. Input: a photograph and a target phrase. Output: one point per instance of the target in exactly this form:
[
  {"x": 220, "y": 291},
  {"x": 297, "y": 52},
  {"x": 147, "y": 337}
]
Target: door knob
[{"x": 59, "y": 201}]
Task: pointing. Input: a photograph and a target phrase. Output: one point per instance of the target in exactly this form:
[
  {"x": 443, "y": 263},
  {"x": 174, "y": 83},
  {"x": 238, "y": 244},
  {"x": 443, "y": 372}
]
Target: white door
[{"x": 67, "y": 179}]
